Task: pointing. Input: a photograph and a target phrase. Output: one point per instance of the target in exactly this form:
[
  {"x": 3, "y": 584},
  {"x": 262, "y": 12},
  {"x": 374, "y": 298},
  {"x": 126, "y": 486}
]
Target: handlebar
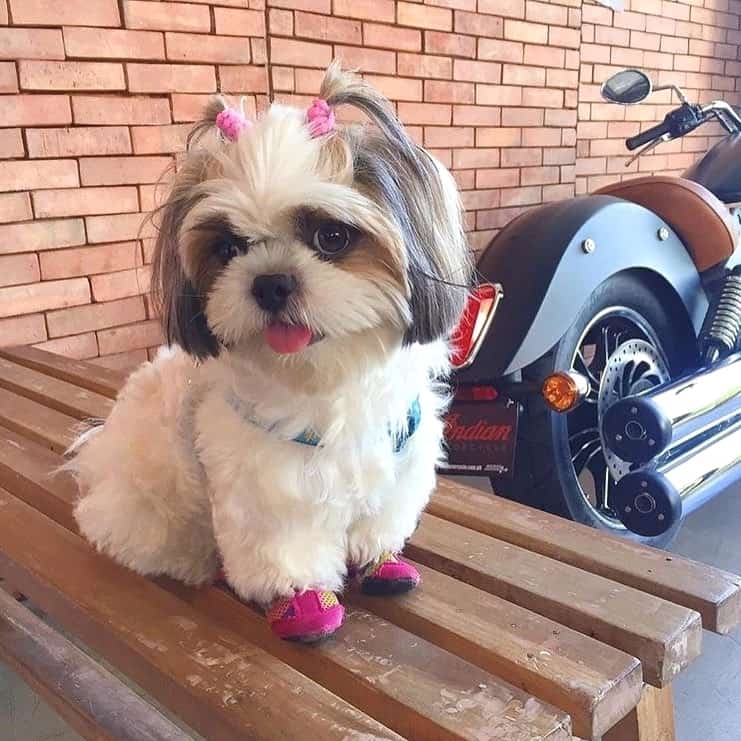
[{"x": 633, "y": 142}]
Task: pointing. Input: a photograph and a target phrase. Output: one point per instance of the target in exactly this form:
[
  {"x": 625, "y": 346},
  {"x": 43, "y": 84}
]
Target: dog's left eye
[{"x": 332, "y": 238}]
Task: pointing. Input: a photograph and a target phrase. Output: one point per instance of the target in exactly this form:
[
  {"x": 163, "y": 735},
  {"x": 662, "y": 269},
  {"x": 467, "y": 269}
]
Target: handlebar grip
[{"x": 633, "y": 142}]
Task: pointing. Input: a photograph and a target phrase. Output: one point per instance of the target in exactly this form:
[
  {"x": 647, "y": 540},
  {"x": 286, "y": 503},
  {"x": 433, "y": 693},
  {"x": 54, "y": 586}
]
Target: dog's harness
[{"x": 312, "y": 438}]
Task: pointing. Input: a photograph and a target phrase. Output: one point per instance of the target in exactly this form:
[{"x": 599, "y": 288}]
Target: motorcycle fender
[{"x": 551, "y": 258}]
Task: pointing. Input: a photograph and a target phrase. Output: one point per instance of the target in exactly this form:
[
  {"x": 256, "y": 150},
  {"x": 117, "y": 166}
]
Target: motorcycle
[{"x": 598, "y": 372}]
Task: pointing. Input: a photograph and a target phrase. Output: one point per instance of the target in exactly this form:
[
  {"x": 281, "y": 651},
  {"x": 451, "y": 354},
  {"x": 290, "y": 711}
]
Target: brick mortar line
[{"x": 269, "y": 85}]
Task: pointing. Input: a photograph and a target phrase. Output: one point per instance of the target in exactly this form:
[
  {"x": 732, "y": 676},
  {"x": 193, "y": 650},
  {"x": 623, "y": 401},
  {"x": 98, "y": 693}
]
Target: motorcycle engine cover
[{"x": 635, "y": 366}]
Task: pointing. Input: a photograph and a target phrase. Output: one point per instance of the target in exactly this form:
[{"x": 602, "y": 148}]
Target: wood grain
[
  {"x": 399, "y": 678},
  {"x": 651, "y": 720},
  {"x": 219, "y": 683},
  {"x": 593, "y": 682},
  {"x": 714, "y": 593},
  {"x": 65, "y": 397},
  {"x": 94, "y": 702},
  {"x": 104, "y": 381},
  {"x": 391, "y": 674},
  {"x": 36, "y": 421},
  {"x": 664, "y": 636},
  {"x": 27, "y": 469}
]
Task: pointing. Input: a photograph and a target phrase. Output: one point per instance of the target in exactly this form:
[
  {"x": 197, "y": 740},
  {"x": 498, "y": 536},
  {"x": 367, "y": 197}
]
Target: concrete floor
[{"x": 707, "y": 696}]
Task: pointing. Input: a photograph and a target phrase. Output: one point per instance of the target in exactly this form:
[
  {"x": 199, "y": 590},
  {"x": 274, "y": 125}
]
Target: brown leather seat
[{"x": 701, "y": 220}]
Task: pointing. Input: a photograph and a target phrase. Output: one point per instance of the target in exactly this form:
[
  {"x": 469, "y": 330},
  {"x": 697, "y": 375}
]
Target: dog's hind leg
[{"x": 143, "y": 501}]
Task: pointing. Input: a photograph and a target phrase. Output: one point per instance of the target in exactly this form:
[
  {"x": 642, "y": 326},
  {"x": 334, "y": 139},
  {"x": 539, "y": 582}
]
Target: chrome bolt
[
  {"x": 663, "y": 234},
  {"x": 651, "y": 442},
  {"x": 660, "y": 517},
  {"x": 589, "y": 245},
  {"x": 627, "y": 510},
  {"x": 644, "y": 484},
  {"x": 634, "y": 410},
  {"x": 618, "y": 438}
]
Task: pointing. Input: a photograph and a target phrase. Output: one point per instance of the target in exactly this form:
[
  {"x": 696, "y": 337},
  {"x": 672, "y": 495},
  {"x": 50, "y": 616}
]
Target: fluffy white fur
[{"x": 197, "y": 462}]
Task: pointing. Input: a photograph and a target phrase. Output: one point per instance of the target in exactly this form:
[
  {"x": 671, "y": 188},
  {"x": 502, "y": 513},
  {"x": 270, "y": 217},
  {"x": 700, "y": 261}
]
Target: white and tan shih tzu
[{"x": 310, "y": 275}]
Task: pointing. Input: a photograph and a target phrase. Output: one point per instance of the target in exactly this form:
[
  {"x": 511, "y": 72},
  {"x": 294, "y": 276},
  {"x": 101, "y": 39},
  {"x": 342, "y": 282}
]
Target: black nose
[{"x": 272, "y": 291}]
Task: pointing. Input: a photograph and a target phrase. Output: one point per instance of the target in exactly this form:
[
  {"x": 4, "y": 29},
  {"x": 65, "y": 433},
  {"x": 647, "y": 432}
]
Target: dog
[{"x": 309, "y": 276}]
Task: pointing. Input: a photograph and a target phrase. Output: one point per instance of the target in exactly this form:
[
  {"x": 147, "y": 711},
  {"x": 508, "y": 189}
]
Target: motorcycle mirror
[{"x": 627, "y": 87}]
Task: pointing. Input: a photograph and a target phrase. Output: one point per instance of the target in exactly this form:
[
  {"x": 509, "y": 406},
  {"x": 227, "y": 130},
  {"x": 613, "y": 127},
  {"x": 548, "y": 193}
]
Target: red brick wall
[
  {"x": 97, "y": 96},
  {"x": 693, "y": 44}
]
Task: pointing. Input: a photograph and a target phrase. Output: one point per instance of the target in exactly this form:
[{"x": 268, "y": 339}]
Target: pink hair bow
[
  {"x": 320, "y": 118},
  {"x": 231, "y": 123}
]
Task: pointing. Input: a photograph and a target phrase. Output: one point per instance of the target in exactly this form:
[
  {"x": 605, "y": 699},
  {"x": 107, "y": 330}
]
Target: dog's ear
[
  {"x": 440, "y": 268},
  {"x": 180, "y": 304},
  {"x": 181, "y": 307},
  {"x": 423, "y": 199}
]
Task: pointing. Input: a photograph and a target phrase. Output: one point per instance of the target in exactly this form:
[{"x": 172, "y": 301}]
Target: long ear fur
[
  {"x": 180, "y": 305},
  {"x": 422, "y": 197}
]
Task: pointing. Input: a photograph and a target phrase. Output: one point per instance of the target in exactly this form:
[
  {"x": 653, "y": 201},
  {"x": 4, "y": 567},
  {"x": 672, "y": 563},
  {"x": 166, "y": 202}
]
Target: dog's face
[{"x": 311, "y": 255}]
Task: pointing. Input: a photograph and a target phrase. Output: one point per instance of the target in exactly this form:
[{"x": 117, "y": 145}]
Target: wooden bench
[{"x": 525, "y": 627}]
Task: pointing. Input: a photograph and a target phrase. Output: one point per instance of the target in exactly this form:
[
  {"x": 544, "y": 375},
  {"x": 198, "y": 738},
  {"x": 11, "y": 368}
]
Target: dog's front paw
[
  {"x": 307, "y": 617},
  {"x": 387, "y": 575}
]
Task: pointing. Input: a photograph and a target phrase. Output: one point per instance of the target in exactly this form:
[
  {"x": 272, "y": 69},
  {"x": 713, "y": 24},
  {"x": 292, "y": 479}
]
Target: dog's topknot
[{"x": 345, "y": 87}]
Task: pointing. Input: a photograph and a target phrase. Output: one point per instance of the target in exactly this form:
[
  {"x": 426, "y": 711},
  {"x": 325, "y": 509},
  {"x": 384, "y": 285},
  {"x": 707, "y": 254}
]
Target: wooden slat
[
  {"x": 220, "y": 684},
  {"x": 94, "y": 702},
  {"x": 653, "y": 655},
  {"x": 389, "y": 673},
  {"x": 36, "y": 421},
  {"x": 714, "y": 593},
  {"x": 27, "y": 471},
  {"x": 60, "y": 395},
  {"x": 590, "y": 681},
  {"x": 95, "y": 378},
  {"x": 664, "y": 636},
  {"x": 593, "y": 682},
  {"x": 410, "y": 685},
  {"x": 652, "y": 719}
]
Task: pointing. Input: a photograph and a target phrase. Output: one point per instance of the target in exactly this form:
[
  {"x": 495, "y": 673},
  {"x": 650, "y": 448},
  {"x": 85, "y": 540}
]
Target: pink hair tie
[
  {"x": 320, "y": 118},
  {"x": 231, "y": 123}
]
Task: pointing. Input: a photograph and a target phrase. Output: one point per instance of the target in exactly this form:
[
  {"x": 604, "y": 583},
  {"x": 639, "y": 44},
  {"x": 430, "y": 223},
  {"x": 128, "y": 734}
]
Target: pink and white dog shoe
[
  {"x": 388, "y": 575},
  {"x": 306, "y": 617}
]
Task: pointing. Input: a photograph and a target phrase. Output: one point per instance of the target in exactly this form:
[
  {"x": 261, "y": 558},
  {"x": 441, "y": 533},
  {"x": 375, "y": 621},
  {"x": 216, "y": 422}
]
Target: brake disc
[{"x": 634, "y": 367}]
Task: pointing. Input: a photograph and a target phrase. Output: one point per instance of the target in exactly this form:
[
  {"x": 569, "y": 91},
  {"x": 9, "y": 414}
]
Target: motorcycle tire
[{"x": 545, "y": 476}]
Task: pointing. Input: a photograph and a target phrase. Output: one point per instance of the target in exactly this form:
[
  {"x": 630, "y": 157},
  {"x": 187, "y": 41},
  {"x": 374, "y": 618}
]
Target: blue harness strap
[
  {"x": 414, "y": 415},
  {"x": 309, "y": 437}
]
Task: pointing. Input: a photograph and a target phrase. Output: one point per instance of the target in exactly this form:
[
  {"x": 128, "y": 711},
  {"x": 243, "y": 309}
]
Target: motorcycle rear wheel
[{"x": 561, "y": 465}]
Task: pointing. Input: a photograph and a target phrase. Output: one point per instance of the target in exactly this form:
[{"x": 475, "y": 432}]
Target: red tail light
[
  {"x": 476, "y": 393},
  {"x": 474, "y": 324}
]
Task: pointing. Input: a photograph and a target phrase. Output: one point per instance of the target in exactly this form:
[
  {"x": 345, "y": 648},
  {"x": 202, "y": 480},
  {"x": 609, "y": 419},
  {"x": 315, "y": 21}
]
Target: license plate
[{"x": 481, "y": 438}]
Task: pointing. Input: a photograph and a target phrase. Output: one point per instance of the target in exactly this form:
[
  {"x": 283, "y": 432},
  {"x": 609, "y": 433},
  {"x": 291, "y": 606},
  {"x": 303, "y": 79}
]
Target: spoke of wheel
[
  {"x": 606, "y": 490},
  {"x": 592, "y": 432},
  {"x": 605, "y": 346},
  {"x": 590, "y": 447},
  {"x": 585, "y": 370}
]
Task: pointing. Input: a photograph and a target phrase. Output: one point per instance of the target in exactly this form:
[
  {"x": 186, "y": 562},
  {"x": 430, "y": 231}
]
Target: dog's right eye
[{"x": 228, "y": 249}]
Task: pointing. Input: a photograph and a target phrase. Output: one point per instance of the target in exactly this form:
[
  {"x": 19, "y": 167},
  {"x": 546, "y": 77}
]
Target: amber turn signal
[{"x": 564, "y": 391}]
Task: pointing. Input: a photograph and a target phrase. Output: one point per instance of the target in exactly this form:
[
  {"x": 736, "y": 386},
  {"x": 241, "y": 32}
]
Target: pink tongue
[{"x": 287, "y": 338}]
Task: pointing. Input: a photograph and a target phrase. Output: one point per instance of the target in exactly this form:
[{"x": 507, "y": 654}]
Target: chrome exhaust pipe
[
  {"x": 639, "y": 428},
  {"x": 651, "y": 500}
]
